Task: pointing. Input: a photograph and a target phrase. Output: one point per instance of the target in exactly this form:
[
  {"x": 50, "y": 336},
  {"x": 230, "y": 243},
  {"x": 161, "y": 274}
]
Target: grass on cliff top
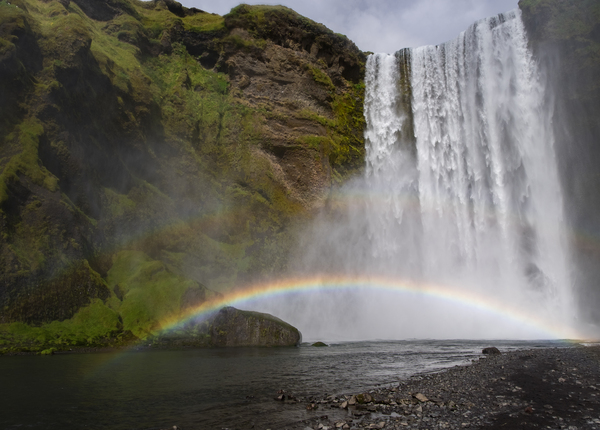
[
  {"x": 157, "y": 19},
  {"x": 259, "y": 17}
]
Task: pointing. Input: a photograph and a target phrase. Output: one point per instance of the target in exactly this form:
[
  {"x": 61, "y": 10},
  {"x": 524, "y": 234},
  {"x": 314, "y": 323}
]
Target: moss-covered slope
[{"x": 145, "y": 136}]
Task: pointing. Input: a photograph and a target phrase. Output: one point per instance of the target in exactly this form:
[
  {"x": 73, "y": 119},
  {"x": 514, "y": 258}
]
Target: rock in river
[{"x": 233, "y": 327}]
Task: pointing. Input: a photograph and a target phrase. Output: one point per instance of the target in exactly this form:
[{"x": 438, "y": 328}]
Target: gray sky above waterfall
[{"x": 383, "y": 25}]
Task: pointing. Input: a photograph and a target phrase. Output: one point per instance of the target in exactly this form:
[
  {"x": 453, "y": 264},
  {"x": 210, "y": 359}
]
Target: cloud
[{"x": 384, "y": 25}]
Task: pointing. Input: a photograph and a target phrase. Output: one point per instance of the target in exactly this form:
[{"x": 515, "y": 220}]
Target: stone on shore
[{"x": 420, "y": 397}]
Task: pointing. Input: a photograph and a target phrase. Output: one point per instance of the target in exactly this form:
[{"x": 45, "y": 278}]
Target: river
[{"x": 211, "y": 388}]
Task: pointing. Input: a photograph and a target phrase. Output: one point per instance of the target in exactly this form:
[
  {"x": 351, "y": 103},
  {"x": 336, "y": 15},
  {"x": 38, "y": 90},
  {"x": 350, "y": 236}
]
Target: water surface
[{"x": 209, "y": 388}]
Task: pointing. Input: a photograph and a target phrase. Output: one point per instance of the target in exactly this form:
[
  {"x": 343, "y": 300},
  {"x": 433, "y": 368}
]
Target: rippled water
[{"x": 209, "y": 388}]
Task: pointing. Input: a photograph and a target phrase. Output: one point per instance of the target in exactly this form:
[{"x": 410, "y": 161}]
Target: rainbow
[{"x": 289, "y": 286}]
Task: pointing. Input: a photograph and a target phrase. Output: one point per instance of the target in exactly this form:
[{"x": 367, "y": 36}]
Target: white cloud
[{"x": 383, "y": 25}]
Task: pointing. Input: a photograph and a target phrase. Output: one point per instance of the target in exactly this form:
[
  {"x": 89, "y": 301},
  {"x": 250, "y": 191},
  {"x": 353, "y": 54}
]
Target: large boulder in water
[{"x": 233, "y": 327}]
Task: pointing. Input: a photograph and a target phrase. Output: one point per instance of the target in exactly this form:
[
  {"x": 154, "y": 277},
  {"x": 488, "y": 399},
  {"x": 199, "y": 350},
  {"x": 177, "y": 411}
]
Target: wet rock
[
  {"x": 319, "y": 344},
  {"x": 233, "y": 327},
  {"x": 491, "y": 350}
]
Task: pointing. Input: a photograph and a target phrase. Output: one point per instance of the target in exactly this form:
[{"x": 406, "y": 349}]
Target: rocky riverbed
[{"x": 555, "y": 388}]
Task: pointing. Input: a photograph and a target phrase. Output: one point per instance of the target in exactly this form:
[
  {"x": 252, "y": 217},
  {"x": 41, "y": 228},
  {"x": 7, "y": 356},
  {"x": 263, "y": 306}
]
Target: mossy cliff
[
  {"x": 148, "y": 150},
  {"x": 565, "y": 38}
]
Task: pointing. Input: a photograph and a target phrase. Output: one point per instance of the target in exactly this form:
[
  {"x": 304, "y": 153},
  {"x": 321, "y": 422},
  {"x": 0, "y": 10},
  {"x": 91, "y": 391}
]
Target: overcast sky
[{"x": 383, "y": 25}]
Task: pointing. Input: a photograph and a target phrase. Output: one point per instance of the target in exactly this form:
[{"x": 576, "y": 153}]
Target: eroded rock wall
[{"x": 196, "y": 141}]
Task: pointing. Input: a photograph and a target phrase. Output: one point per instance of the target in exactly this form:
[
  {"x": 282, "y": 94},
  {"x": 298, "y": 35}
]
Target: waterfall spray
[{"x": 460, "y": 191}]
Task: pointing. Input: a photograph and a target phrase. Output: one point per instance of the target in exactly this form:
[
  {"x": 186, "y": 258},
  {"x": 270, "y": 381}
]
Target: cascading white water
[
  {"x": 460, "y": 192},
  {"x": 489, "y": 197}
]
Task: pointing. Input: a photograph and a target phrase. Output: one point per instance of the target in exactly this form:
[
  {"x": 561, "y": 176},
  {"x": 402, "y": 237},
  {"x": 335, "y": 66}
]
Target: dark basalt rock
[
  {"x": 491, "y": 350},
  {"x": 233, "y": 327}
]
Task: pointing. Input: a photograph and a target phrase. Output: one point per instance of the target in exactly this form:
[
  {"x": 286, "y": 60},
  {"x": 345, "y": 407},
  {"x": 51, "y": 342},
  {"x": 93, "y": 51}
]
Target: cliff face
[
  {"x": 145, "y": 140},
  {"x": 565, "y": 37}
]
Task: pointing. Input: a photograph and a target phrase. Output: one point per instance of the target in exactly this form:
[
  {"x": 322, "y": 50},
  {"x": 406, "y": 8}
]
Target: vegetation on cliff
[{"x": 148, "y": 150}]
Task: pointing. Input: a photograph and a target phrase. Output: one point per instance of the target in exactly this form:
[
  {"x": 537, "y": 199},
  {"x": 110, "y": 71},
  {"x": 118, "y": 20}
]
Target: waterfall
[
  {"x": 460, "y": 197},
  {"x": 485, "y": 174}
]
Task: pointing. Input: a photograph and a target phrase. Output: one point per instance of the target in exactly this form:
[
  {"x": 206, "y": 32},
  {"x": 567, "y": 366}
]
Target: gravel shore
[{"x": 557, "y": 388}]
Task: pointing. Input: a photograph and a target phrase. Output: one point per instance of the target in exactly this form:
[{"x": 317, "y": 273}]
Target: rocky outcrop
[
  {"x": 233, "y": 327},
  {"x": 309, "y": 80},
  {"x": 230, "y": 327}
]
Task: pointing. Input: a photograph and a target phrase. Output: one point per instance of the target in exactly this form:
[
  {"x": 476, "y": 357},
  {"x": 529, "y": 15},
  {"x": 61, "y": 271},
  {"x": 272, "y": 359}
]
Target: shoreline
[{"x": 557, "y": 388}]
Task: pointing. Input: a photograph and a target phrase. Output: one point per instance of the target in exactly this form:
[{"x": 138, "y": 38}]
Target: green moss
[
  {"x": 245, "y": 44},
  {"x": 151, "y": 293},
  {"x": 11, "y": 16},
  {"x": 315, "y": 142},
  {"x": 348, "y": 147},
  {"x": 126, "y": 28},
  {"x": 5, "y": 47},
  {"x": 321, "y": 77},
  {"x": 26, "y": 137},
  {"x": 260, "y": 19},
  {"x": 204, "y": 23},
  {"x": 117, "y": 205},
  {"x": 90, "y": 326},
  {"x": 156, "y": 20}
]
